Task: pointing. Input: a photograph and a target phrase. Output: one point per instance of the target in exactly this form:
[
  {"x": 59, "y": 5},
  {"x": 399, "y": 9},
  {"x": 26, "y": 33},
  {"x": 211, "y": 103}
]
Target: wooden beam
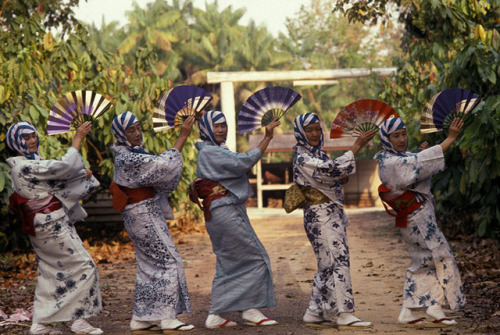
[
  {"x": 315, "y": 82},
  {"x": 219, "y": 77}
]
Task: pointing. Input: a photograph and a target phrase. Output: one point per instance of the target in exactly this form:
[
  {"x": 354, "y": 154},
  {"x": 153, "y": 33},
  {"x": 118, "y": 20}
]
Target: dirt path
[{"x": 378, "y": 262}]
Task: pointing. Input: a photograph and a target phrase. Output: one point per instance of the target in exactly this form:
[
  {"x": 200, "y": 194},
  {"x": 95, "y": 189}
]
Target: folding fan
[
  {"x": 440, "y": 111},
  {"x": 70, "y": 111},
  {"x": 265, "y": 105},
  {"x": 361, "y": 116},
  {"x": 177, "y": 104}
]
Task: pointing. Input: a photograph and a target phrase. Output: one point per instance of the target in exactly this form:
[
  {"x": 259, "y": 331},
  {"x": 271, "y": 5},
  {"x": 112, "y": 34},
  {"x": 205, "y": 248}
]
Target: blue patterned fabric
[
  {"x": 433, "y": 276},
  {"x": 67, "y": 283},
  {"x": 302, "y": 121},
  {"x": 388, "y": 127},
  {"x": 119, "y": 125},
  {"x": 161, "y": 290},
  {"x": 15, "y": 139},
  {"x": 325, "y": 226},
  {"x": 207, "y": 126}
]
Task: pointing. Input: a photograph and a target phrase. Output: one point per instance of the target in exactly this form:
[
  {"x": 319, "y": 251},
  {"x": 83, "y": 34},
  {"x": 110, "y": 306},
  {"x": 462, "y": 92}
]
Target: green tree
[
  {"x": 160, "y": 26},
  {"x": 451, "y": 44},
  {"x": 320, "y": 40},
  {"x": 42, "y": 68}
]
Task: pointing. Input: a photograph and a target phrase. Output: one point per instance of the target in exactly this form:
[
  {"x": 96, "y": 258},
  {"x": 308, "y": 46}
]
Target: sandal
[
  {"x": 263, "y": 322},
  {"x": 215, "y": 321},
  {"x": 443, "y": 322},
  {"x": 255, "y": 318},
  {"x": 413, "y": 323},
  {"x": 152, "y": 329},
  {"x": 174, "y": 326},
  {"x": 321, "y": 324}
]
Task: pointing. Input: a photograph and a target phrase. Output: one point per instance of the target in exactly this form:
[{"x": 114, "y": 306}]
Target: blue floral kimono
[
  {"x": 325, "y": 226},
  {"x": 243, "y": 278},
  {"x": 433, "y": 275},
  {"x": 161, "y": 289},
  {"x": 67, "y": 284}
]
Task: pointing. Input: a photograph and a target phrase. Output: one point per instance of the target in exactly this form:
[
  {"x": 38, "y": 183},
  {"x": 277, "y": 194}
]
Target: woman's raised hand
[
  {"x": 270, "y": 128},
  {"x": 423, "y": 146},
  {"x": 81, "y": 132},
  {"x": 187, "y": 126},
  {"x": 453, "y": 132},
  {"x": 455, "y": 128},
  {"x": 362, "y": 140}
]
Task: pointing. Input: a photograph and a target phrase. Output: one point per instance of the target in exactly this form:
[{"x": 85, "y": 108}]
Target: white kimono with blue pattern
[
  {"x": 67, "y": 285},
  {"x": 433, "y": 276},
  {"x": 243, "y": 278},
  {"x": 325, "y": 226},
  {"x": 161, "y": 289}
]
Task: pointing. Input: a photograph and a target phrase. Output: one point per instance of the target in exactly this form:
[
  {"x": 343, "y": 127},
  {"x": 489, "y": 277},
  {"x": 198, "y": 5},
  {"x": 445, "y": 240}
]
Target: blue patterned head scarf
[
  {"x": 299, "y": 125},
  {"x": 207, "y": 126},
  {"x": 119, "y": 125},
  {"x": 388, "y": 127},
  {"x": 15, "y": 139}
]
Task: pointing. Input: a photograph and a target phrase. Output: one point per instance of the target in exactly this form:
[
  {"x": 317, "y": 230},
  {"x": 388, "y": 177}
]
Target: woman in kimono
[
  {"x": 46, "y": 196},
  {"x": 433, "y": 278},
  {"x": 321, "y": 178},
  {"x": 243, "y": 279},
  {"x": 142, "y": 183}
]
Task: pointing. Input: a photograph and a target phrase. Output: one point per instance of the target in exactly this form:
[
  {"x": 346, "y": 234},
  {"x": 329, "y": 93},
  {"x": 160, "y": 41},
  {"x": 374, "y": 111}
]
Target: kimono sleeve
[
  {"x": 218, "y": 164},
  {"x": 67, "y": 168},
  {"x": 328, "y": 171},
  {"x": 402, "y": 172},
  {"x": 162, "y": 172}
]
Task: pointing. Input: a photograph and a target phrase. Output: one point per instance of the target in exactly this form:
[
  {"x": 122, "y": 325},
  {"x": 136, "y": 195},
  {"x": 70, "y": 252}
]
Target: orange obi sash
[
  {"x": 208, "y": 190},
  {"x": 26, "y": 209},
  {"x": 123, "y": 196},
  {"x": 405, "y": 204}
]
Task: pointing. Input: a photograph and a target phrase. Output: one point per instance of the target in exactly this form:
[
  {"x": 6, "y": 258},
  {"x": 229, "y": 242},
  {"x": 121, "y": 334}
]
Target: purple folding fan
[
  {"x": 179, "y": 103},
  {"x": 265, "y": 105},
  {"x": 440, "y": 111},
  {"x": 70, "y": 111}
]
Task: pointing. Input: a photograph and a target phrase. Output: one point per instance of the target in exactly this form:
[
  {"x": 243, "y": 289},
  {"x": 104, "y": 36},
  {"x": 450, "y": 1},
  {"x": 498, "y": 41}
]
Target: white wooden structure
[{"x": 227, "y": 79}]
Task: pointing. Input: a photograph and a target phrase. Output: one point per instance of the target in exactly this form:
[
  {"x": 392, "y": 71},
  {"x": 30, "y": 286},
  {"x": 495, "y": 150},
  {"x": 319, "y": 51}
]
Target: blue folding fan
[
  {"x": 177, "y": 104},
  {"x": 440, "y": 111},
  {"x": 265, "y": 105},
  {"x": 70, "y": 111}
]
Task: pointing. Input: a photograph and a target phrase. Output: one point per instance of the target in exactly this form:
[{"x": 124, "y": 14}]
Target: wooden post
[
  {"x": 260, "y": 202},
  {"x": 227, "y": 106}
]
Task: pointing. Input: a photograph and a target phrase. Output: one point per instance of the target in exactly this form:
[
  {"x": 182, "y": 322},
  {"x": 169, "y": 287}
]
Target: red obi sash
[
  {"x": 123, "y": 196},
  {"x": 208, "y": 190},
  {"x": 26, "y": 209},
  {"x": 405, "y": 204}
]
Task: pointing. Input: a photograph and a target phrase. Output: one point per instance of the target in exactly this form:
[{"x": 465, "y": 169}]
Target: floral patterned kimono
[
  {"x": 433, "y": 276},
  {"x": 161, "y": 291},
  {"x": 243, "y": 278},
  {"x": 325, "y": 224},
  {"x": 67, "y": 284}
]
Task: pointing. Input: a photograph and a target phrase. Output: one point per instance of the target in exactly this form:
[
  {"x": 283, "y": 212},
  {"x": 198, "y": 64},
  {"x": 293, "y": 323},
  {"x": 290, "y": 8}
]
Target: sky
[{"x": 271, "y": 13}]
